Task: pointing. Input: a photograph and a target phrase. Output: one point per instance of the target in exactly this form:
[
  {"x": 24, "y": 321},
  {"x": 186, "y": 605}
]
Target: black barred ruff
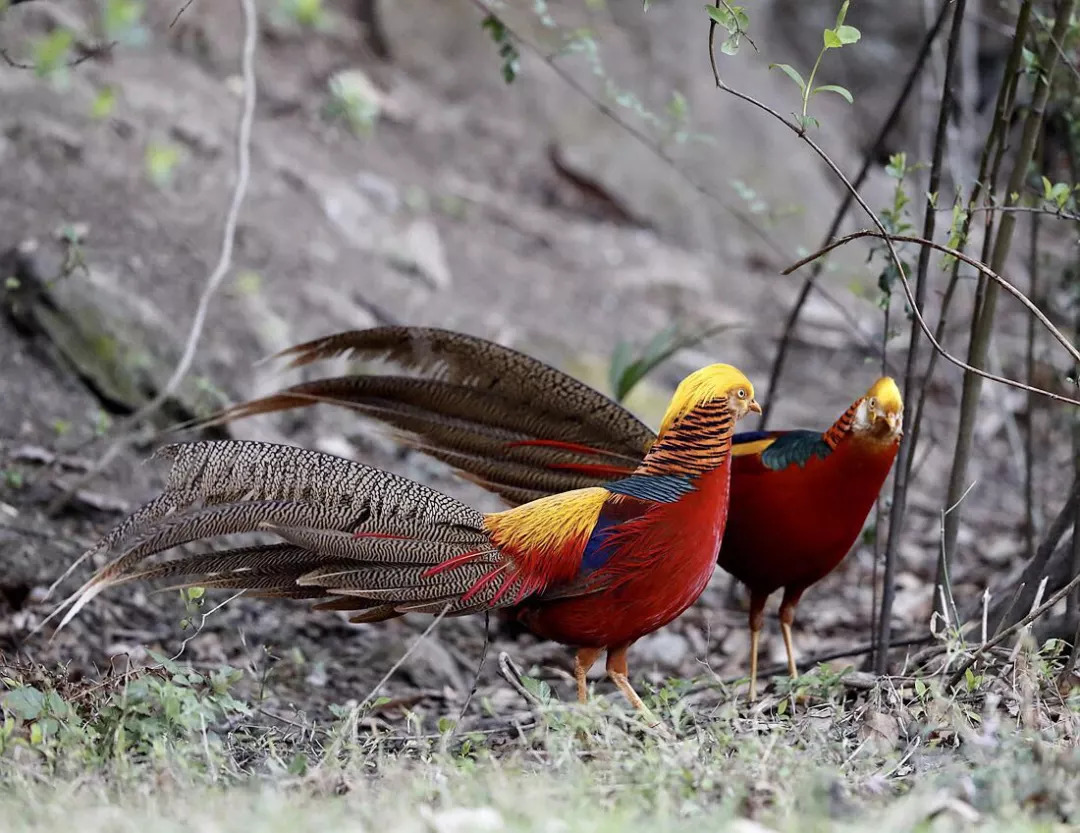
[
  {"x": 695, "y": 444},
  {"x": 842, "y": 427}
]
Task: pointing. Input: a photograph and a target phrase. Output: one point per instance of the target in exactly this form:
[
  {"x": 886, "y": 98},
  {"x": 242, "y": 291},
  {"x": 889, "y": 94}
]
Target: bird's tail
[
  {"x": 509, "y": 422},
  {"x": 356, "y": 537}
]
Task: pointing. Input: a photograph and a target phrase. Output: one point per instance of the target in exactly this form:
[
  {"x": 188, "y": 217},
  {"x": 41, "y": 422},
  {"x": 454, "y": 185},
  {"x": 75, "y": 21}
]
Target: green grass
[{"x": 171, "y": 749}]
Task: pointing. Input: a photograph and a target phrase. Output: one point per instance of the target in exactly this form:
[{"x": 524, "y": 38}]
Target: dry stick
[
  {"x": 1029, "y": 434},
  {"x": 884, "y": 233},
  {"x": 221, "y": 268},
  {"x": 983, "y": 268},
  {"x": 1039, "y": 565},
  {"x": 958, "y": 675},
  {"x": 983, "y": 321},
  {"x": 903, "y": 469},
  {"x": 869, "y": 159},
  {"x": 989, "y": 164}
]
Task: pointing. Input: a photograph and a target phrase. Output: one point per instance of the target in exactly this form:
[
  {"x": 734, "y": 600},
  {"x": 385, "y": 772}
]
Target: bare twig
[
  {"x": 509, "y": 671},
  {"x": 986, "y": 296},
  {"x": 869, "y": 159},
  {"x": 1040, "y": 565},
  {"x": 911, "y": 378},
  {"x": 958, "y": 675},
  {"x": 401, "y": 660},
  {"x": 479, "y": 671},
  {"x": 884, "y": 234},
  {"x": 224, "y": 262},
  {"x": 984, "y": 269}
]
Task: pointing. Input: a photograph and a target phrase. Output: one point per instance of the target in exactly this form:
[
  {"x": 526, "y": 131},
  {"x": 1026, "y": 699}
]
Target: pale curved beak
[{"x": 754, "y": 406}]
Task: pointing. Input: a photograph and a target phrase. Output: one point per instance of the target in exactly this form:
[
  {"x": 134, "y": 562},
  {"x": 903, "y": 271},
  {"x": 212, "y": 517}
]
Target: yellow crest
[
  {"x": 716, "y": 381},
  {"x": 886, "y": 394}
]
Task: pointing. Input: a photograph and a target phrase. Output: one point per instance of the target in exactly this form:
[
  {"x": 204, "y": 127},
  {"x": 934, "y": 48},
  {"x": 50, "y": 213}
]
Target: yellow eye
[
  {"x": 742, "y": 393},
  {"x": 872, "y": 402}
]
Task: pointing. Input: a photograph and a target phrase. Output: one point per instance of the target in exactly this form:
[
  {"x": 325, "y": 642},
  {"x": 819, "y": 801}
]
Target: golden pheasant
[
  {"x": 523, "y": 429},
  {"x": 594, "y": 568}
]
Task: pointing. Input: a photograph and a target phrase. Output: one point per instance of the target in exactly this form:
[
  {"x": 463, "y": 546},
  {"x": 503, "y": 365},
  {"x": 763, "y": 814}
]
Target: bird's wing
[
  {"x": 562, "y": 545},
  {"x": 505, "y": 420},
  {"x": 776, "y": 450}
]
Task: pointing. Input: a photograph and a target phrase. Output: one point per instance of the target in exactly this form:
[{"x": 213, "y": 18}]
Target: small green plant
[
  {"x": 355, "y": 99},
  {"x": 122, "y": 22},
  {"x": 627, "y": 369},
  {"x": 836, "y": 38},
  {"x": 104, "y": 103},
  {"x": 511, "y": 59},
  {"x": 162, "y": 159},
  {"x": 309, "y": 14},
  {"x": 734, "y": 21},
  {"x": 144, "y": 713},
  {"x": 52, "y": 55}
]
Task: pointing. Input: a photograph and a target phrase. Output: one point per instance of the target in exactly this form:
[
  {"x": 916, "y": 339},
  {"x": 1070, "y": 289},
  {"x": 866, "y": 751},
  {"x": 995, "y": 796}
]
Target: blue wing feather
[
  {"x": 660, "y": 488},
  {"x": 794, "y": 448}
]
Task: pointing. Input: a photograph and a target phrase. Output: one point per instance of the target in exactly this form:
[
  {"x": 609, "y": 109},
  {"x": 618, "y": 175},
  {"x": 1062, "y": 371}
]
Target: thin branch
[
  {"x": 885, "y": 236},
  {"x": 408, "y": 652},
  {"x": 869, "y": 159},
  {"x": 221, "y": 268},
  {"x": 987, "y": 293},
  {"x": 984, "y": 269},
  {"x": 911, "y": 380}
]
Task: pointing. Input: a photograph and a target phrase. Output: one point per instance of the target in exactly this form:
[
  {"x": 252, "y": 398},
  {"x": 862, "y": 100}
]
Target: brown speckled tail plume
[
  {"x": 471, "y": 405},
  {"x": 344, "y": 530}
]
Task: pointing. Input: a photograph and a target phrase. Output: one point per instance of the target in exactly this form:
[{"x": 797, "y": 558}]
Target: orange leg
[
  {"x": 757, "y": 621},
  {"x": 583, "y": 661},
  {"x": 787, "y": 616},
  {"x": 617, "y": 670}
]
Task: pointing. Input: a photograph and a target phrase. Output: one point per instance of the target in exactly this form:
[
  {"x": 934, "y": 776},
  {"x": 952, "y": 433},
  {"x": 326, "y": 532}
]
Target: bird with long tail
[
  {"x": 594, "y": 568},
  {"x": 522, "y": 429}
]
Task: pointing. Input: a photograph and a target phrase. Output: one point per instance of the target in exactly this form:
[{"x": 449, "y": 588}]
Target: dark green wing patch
[{"x": 794, "y": 447}]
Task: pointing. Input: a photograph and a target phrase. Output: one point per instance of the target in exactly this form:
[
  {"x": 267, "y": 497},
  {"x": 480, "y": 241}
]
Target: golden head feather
[
  {"x": 883, "y": 403},
  {"x": 716, "y": 381}
]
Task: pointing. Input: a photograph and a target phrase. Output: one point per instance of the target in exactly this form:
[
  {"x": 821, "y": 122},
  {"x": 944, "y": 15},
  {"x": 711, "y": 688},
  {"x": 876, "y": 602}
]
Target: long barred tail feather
[
  {"x": 345, "y": 530},
  {"x": 487, "y": 410}
]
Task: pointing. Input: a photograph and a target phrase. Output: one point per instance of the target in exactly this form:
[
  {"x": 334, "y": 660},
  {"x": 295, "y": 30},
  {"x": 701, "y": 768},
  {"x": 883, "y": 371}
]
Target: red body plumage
[
  {"x": 650, "y": 587},
  {"x": 791, "y": 528}
]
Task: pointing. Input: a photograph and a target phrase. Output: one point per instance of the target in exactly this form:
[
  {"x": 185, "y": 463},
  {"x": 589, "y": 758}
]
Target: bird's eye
[
  {"x": 742, "y": 394},
  {"x": 872, "y": 402}
]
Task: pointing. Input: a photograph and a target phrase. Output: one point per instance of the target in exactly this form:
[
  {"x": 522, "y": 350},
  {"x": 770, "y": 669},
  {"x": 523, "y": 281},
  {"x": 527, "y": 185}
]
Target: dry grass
[{"x": 175, "y": 751}]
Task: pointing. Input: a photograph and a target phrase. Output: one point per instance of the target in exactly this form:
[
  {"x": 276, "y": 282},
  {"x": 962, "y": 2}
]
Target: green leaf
[
  {"x": 103, "y": 104},
  {"x": 848, "y": 34},
  {"x": 791, "y": 73},
  {"x": 836, "y": 88},
  {"x": 840, "y": 15},
  {"x": 51, "y": 51},
  {"x": 26, "y": 702},
  {"x": 161, "y": 162},
  {"x": 832, "y": 40}
]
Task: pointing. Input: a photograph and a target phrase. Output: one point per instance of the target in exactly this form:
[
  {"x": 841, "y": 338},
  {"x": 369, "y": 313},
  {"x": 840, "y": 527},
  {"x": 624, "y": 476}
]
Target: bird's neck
[
  {"x": 697, "y": 443},
  {"x": 842, "y": 427}
]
